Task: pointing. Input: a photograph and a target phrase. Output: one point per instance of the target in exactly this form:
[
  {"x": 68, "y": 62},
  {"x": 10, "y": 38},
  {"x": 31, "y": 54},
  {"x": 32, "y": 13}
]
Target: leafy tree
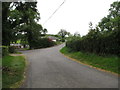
[
  {"x": 5, "y": 24},
  {"x": 77, "y": 34},
  {"x": 63, "y": 33},
  {"x": 90, "y": 25},
  {"x": 20, "y": 19},
  {"x": 104, "y": 39},
  {"x": 45, "y": 31}
]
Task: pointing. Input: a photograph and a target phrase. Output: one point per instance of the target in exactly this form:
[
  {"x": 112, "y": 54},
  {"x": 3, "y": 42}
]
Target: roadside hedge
[
  {"x": 5, "y": 51},
  {"x": 101, "y": 45},
  {"x": 104, "y": 39},
  {"x": 42, "y": 43},
  {"x": 11, "y": 49}
]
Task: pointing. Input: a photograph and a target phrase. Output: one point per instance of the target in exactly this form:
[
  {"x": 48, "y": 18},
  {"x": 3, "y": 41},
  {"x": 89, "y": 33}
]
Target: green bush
[
  {"x": 102, "y": 44},
  {"x": 42, "y": 43},
  {"x": 11, "y": 49},
  {"x": 74, "y": 43},
  {"x": 4, "y": 51}
]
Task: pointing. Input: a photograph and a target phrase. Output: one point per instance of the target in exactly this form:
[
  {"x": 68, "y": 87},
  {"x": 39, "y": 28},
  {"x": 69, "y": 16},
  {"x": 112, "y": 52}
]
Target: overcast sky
[{"x": 73, "y": 16}]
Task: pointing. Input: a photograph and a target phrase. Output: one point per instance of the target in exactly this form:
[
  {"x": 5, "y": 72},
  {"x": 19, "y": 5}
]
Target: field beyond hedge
[{"x": 109, "y": 63}]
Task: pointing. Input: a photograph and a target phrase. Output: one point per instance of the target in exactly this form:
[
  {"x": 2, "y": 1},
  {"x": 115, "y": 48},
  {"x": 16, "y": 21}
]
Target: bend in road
[{"x": 50, "y": 69}]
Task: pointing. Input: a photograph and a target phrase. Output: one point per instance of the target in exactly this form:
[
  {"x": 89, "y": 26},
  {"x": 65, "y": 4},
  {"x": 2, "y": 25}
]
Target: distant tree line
[
  {"x": 62, "y": 34},
  {"x": 104, "y": 38}
]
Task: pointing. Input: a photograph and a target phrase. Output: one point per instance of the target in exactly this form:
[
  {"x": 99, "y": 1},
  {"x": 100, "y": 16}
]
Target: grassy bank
[
  {"x": 13, "y": 71},
  {"x": 109, "y": 63}
]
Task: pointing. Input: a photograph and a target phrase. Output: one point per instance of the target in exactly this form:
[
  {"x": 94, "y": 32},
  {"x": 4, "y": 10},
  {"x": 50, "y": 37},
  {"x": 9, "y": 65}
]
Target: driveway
[{"x": 50, "y": 69}]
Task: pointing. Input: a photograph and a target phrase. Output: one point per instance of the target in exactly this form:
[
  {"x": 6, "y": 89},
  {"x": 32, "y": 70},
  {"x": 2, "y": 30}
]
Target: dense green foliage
[
  {"x": 6, "y": 34},
  {"x": 11, "y": 49},
  {"x": 109, "y": 63},
  {"x": 5, "y": 51},
  {"x": 74, "y": 43},
  {"x": 62, "y": 33},
  {"x": 104, "y": 39},
  {"x": 19, "y": 22},
  {"x": 42, "y": 43},
  {"x": 13, "y": 68}
]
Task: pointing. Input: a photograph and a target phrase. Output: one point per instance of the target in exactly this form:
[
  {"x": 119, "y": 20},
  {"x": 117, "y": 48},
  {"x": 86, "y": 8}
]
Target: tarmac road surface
[{"x": 50, "y": 69}]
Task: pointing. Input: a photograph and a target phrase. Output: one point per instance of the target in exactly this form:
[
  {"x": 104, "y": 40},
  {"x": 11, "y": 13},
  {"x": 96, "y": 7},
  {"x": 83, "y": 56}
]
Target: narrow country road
[{"x": 50, "y": 69}]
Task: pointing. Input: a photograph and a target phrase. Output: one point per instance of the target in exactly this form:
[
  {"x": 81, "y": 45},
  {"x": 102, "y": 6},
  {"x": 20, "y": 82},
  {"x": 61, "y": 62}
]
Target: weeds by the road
[
  {"x": 109, "y": 63},
  {"x": 13, "y": 68}
]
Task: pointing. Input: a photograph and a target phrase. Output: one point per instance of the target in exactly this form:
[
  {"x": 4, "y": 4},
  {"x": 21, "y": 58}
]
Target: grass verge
[
  {"x": 109, "y": 63},
  {"x": 59, "y": 42},
  {"x": 13, "y": 68}
]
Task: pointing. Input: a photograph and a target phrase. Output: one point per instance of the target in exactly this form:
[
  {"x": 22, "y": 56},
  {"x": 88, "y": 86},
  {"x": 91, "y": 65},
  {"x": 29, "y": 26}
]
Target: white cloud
[{"x": 74, "y": 15}]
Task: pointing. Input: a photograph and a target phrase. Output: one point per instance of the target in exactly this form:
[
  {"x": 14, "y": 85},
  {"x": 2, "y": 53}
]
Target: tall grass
[
  {"x": 110, "y": 63},
  {"x": 13, "y": 70}
]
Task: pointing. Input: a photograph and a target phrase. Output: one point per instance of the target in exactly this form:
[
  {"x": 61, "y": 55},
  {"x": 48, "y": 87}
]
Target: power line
[{"x": 54, "y": 12}]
